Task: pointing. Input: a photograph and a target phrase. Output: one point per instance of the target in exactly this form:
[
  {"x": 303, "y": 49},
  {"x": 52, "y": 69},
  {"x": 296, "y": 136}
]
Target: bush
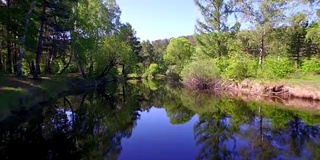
[
  {"x": 151, "y": 71},
  {"x": 311, "y": 66},
  {"x": 240, "y": 66},
  {"x": 275, "y": 68},
  {"x": 206, "y": 69}
]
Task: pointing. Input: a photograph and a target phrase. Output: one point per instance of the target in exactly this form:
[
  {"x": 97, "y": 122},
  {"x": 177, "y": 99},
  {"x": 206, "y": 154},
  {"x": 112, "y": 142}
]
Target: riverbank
[
  {"x": 20, "y": 94},
  {"x": 307, "y": 89}
]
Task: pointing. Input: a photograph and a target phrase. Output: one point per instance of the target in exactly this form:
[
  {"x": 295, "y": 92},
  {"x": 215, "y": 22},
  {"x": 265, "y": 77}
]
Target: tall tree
[
  {"x": 23, "y": 39},
  {"x": 128, "y": 35},
  {"x": 215, "y": 14},
  {"x": 146, "y": 53},
  {"x": 263, "y": 15}
]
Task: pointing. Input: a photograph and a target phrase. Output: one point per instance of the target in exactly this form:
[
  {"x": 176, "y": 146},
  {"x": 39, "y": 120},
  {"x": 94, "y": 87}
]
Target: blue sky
[{"x": 159, "y": 19}]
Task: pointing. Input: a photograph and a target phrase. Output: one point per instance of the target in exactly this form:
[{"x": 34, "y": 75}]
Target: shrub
[
  {"x": 240, "y": 66},
  {"x": 222, "y": 63},
  {"x": 205, "y": 69},
  {"x": 276, "y": 67},
  {"x": 311, "y": 66},
  {"x": 151, "y": 71}
]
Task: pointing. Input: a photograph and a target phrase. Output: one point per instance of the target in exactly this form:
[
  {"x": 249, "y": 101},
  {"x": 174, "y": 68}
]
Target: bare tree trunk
[
  {"x": 123, "y": 71},
  {"x": 40, "y": 42},
  {"x": 22, "y": 41},
  {"x": 32, "y": 68},
  {"x": 262, "y": 50}
]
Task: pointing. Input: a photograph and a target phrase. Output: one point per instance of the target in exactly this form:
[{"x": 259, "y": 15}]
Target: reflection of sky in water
[{"x": 155, "y": 137}]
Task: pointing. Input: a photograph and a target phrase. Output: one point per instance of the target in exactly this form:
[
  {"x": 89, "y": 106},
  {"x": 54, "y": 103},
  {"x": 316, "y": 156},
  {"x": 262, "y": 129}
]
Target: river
[{"x": 152, "y": 120}]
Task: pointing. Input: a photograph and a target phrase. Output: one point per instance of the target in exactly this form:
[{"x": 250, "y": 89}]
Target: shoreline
[
  {"x": 282, "y": 93},
  {"x": 23, "y": 95}
]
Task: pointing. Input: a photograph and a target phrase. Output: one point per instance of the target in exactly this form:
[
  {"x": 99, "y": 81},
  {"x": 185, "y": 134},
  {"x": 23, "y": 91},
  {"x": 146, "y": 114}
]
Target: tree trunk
[
  {"x": 48, "y": 62},
  {"x": 123, "y": 71},
  {"x": 22, "y": 40},
  {"x": 9, "y": 51},
  {"x": 15, "y": 58},
  {"x": 40, "y": 42},
  {"x": 32, "y": 68},
  {"x": 262, "y": 51}
]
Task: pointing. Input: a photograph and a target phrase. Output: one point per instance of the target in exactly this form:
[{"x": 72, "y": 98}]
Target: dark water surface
[{"x": 152, "y": 121}]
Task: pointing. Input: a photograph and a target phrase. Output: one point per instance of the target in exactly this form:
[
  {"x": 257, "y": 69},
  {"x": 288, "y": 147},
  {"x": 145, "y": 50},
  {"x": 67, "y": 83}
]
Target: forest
[{"x": 234, "y": 40}]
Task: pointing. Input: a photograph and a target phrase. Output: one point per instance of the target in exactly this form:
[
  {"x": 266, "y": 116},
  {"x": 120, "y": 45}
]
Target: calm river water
[{"x": 151, "y": 121}]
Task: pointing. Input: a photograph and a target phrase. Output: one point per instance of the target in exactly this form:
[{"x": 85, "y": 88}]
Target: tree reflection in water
[
  {"x": 88, "y": 126},
  {"x": 234, "y": 129},
  {"x": 92, "y": 125}
]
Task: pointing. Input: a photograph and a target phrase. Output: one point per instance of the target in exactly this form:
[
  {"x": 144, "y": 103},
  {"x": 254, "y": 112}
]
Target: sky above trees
[{"x": 159, "y": 19}]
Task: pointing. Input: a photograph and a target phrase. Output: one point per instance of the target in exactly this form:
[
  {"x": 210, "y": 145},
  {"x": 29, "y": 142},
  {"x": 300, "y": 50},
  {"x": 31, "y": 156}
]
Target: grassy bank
[
  {"x": 241, "y": 73},
  {"x": 18, "y": 94},
  {"x": 308, "y": 89}
]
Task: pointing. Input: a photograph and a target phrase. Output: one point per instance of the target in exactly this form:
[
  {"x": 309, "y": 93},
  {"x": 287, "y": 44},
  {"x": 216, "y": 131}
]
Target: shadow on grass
[{"x": 18, "y": 94}]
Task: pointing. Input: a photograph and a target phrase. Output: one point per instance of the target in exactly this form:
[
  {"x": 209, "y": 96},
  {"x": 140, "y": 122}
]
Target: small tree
[{"x": 178, "y": 53}]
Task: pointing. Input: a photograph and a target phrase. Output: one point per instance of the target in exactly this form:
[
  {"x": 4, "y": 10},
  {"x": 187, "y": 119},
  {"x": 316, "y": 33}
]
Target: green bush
[
  {"x": 202, "y": 68},
  {"x": 222, "y": 63},
  {"x": 240, "y": 66},
  {"x": 311, "y": 66},
  {"x": 275, "y": 68},
  {"x": 151, "y": 71}
]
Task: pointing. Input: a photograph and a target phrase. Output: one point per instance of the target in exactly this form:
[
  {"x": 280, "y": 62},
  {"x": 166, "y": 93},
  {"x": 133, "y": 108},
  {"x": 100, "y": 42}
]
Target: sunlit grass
[
  {"x": 12, "y": 89},
  {"x": 305, "y": 80},
  {"x": 26, "y": 92}
]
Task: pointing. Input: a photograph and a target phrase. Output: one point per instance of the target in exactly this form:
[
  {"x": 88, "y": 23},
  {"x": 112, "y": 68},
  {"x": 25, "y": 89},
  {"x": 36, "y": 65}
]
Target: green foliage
[
  {"x": 113, "y": 51},
  {"x": 210, "y": 31},
  {"x": 151, "y": 71},
  {"x": 211, "y": 45},
  {"x": 311, "y": 65},
  {"x": 202, "y": 68},
  {"x": 275, "y": 68},
  {"x": 313, "y": 33},
  {"x": 240, "y": 66},
  {"x": 153, "y": 85},
  {"x": 178, "y": 53}
]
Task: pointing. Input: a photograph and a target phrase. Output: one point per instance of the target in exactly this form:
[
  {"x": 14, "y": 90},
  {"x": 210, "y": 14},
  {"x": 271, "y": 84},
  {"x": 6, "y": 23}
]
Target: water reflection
[
  {"x": 89, "y": 126},
  {"x": 100, "y": 125}
]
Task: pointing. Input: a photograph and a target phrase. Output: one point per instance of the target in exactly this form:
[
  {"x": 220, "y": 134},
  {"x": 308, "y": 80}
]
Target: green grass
[
  {"x": 25, "y": 92},
  {"x": 304, "y": 80}
]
